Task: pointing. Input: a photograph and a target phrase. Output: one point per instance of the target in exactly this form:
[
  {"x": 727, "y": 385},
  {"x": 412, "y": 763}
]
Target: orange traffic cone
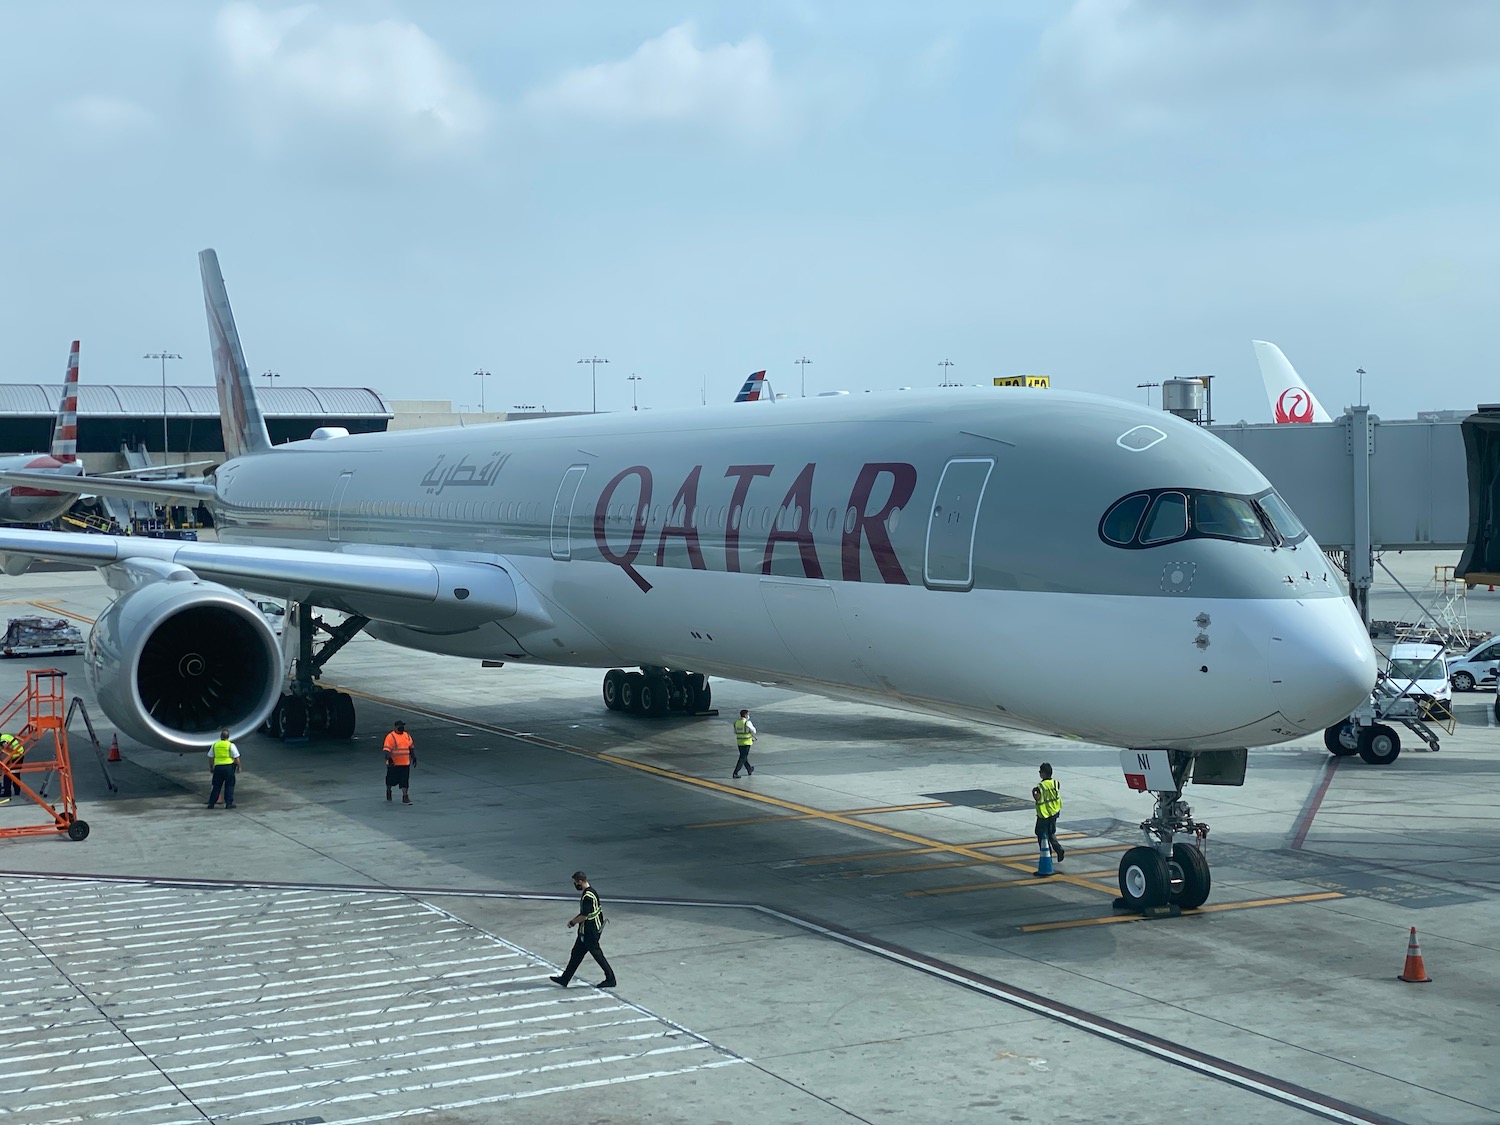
[
  {"x": 114, "y": 749},
  {"x": 1415, "y": 972}
]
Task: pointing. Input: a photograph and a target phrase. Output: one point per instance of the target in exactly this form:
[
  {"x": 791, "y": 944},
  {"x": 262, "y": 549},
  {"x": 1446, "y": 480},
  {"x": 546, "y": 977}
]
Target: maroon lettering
[
  {"x": 687, "y": 497},
  {"x": 745, "y": 474},
  {"x": 798, "y": 502},
  {"x": 871, "y": 525},
  {"x": 626, "y": 561}
]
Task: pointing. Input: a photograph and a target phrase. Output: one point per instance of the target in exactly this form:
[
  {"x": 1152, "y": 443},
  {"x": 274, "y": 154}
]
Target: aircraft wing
[
  {"x": 100, "y": 486},
  {"x": 383, "y": 587}
]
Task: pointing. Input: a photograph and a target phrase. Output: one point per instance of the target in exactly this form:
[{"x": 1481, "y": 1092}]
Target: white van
[
  {"x": 1475, "y": 668},
  {"x": 1420, "y": 671}
]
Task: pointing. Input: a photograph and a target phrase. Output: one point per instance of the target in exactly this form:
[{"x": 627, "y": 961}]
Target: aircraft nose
[{"x": 1322, "y": 662}]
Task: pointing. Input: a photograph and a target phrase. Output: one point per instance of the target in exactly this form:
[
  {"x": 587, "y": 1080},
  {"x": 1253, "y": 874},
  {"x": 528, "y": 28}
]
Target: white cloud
[
  {"x": 672, "y": 80},
  {"x": 106, "y": 116},
  {"x": 1152, "y": 65},
  {"x": 294, "y": 70}
]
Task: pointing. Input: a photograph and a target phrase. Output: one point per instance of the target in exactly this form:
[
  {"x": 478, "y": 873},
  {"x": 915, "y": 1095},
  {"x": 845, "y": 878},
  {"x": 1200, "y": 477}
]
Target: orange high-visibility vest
[{"x": 398, "y": 746}]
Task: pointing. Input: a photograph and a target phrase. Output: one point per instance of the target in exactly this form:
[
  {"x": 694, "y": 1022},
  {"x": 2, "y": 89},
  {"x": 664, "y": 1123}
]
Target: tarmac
[{"x": 855, "y": 934}]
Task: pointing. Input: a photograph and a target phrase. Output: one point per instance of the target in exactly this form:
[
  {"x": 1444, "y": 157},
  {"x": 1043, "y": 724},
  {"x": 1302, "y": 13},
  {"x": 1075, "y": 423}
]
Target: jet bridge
[{"x": 1362, "y": 485}]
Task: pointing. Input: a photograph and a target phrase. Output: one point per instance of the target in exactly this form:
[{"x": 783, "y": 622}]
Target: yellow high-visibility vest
[
  {"x": 222, "y": 756},
  {"x": 1049, "y": 798},
  {"x": 742, "y": 735}
]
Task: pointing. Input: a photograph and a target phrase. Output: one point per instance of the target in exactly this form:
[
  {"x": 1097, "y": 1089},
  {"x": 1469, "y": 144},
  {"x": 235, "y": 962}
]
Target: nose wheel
[{"x": 1169, "y": 871}]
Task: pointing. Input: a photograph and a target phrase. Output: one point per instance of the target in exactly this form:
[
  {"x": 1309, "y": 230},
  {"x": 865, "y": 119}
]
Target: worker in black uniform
[{"x": 590, "y": 924}]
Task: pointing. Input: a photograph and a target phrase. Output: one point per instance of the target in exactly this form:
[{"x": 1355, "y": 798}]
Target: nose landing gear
[{"x": 1167, "y": 873}]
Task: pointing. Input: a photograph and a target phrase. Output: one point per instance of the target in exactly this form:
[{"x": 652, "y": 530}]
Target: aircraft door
[
  {"x": 949, "y": 561},
  {"x": 562, "y": 512},
  {"x": 334, "y": 504}
]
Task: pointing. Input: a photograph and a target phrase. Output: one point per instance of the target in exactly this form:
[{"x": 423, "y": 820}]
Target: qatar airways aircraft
[
  {"x": 1040, "y": 560},
  {"x": 31, "y": 502}
]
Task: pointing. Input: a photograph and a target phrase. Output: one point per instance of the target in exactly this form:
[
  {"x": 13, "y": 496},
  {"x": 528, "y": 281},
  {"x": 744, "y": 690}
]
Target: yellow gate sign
[{"x": 1024, "y": 381}]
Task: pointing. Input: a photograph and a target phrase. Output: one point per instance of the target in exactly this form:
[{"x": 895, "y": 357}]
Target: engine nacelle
[{"x": 175, "y": 661}]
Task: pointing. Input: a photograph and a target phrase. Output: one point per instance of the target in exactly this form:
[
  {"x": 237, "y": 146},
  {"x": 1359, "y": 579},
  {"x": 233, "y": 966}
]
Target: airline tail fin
[
  {"x": 755, "y": 389},
  {"x": 65, "y": 427},
  {"x": 239, "y": 412},
  {"x": 1291, "y": 401}
]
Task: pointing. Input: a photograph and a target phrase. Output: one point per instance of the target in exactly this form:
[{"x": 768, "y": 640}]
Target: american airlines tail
[
  {"x": 1291, "y": 401},
  {"x": 755, "y": 388},
  {"x": 244, "y": 426},
  {"x": 65, "y": 428}
]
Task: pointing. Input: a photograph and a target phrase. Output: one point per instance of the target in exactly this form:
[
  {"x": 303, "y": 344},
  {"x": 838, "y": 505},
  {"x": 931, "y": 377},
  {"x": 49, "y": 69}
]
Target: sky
[{"x": 1110, "y": 192}]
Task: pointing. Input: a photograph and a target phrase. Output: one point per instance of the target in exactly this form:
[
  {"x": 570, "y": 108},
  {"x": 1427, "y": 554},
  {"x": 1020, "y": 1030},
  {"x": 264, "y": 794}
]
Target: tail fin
[
  {"x": 239, "y": 412},
  {"x": 65, "y": 428},
  {"x": 1291, "y": 401},
  {"x": 754, "y": 389}
]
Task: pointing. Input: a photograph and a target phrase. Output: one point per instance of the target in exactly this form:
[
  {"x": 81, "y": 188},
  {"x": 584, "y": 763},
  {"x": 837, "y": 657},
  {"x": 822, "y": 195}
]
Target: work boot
[
  {"x": 387, "y": 794},
  {"x": 606, "y": 983},
  {"x": 751, "y": 769},
  {"x": 405, "y": 800},
  {"x": 1059, "y": 849},
  {"x": 558, "y": 980}
]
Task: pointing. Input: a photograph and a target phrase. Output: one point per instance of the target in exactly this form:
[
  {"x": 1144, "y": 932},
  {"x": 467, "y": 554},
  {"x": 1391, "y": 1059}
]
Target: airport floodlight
[
  {"x": 481, "y": 375},
  {"x": 1147, "y": 387},
  {"x": 269, "y": 375},
  {"x": 634, "y": 379},
  {"x": 802, "y": 366},
  {"x": 163, "y": 356},
  {"x": 948, "y": 380},
  {"x": 1360, "y": 371},
  {"x": 594, "y": 371}
]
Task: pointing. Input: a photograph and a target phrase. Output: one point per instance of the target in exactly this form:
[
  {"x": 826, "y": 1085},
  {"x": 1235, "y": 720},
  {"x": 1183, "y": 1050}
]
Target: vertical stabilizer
[
  {"x": 239, "y": 412},
  {"x": 1291, "y": 401},
  {"x": 65, "y": 427},
  {"x": 755, "y": 388}
]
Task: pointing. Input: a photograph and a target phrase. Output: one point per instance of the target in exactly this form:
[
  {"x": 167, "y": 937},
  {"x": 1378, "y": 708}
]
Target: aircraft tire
[
  {"x": 630, "y": 693},
  {"x": 1190, "y": 877},
  {"x": 1341, "y": 740},
  {"x": 292, "y": 712},
  {"x": 656, "y": 697},
  {"x": 613, "y": 680},
  {"x": 705, "y": 696},
  {"x": 1143, "y": 879},
  {"x": 341, "y": 716},
  {"x": 1379, "y": 745},
  {"x": 272, "y": 725}
]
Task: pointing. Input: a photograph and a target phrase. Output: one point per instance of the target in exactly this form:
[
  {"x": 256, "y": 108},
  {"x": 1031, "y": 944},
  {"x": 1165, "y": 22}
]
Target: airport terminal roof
[{"x": 97, "y": 400}]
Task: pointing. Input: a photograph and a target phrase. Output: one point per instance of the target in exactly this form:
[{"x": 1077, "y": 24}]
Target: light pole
[
  {"x": 802, "y": 363},
  {"x": 1360, "y": 371},
  {"x": 269, "y": 375},
  {"x": 482, "y": 374},
  {"x": 1148, "y": 387},
  {"x": 594, "y": 371},
  {"x": 945, "y": 365},
  {"x": 634, "y": 379},
  {"x": 163, "y": 356}
]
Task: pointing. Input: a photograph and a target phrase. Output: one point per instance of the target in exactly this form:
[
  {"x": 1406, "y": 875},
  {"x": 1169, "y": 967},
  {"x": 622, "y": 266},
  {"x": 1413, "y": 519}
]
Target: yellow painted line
[
  {"x": 50, "y": 608},
  {"x": 1321, "y": 896},
  {"x": 719, "y": 787},
  {"x": 889, "y": 853},
  {"x": 803, "y": 816},
  {"x": 1089, "y": 880}
]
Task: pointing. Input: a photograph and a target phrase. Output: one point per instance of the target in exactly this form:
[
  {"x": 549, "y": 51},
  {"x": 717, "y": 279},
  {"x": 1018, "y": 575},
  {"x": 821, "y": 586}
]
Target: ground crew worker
[
  {"x": 1048, "y": 797},
  {"x": 225, "y": 756},
  {"x": 590, "y": 923},
  {"x": 744, "y": 738},
  {"x": 400, "y": 756},
  {"x": 13, "y": 750}
]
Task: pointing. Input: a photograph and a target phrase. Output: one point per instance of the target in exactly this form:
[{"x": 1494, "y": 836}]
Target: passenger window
[
  {"x": 1121, "y": 521},
  {"x": 1167, "y": 519}
]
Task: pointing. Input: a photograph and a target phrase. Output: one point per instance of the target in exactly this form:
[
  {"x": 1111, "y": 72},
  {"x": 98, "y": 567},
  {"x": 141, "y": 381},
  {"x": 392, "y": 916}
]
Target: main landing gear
[
  {"x": 306, "y": 710},
  {"x": 1169, "y": 872},
  {"x": 657, "y": 691}
]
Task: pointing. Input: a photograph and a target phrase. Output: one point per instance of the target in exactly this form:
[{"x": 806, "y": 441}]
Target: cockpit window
[
  {"x": 1229, "y": 517},
  {"x": 1121, "y": 521},
  {"x": 1167, "y": 520},
  {"x": 1167, "y": 515},
  {"x": 1282, "y": 518}
]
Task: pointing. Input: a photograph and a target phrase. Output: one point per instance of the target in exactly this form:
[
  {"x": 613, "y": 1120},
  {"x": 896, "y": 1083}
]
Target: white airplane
[
  {"x": 33, "y": 502},
  {"x": 945, "y": 551},
  {"x": 1291, "y": 400}
]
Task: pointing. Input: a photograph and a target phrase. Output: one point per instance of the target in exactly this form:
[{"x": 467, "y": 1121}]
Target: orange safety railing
[{"x": 42, "y": 701}]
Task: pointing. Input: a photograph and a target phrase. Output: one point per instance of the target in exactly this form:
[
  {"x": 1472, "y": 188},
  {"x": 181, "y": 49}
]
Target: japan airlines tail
[
  {"x": 1291, "y": 401},
  {"x": 939, "y": 550}
]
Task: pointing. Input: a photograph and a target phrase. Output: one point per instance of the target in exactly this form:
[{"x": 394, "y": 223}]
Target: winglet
[
  {"x": 755, "y": 388},
  {"x": 239, "y": 412},
  {"x": 1291, "y": 401},
  {"x": 65, "y": 428}
]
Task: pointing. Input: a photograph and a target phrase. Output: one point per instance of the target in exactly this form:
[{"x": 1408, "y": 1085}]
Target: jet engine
[{"x": 174, "y": 661}]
